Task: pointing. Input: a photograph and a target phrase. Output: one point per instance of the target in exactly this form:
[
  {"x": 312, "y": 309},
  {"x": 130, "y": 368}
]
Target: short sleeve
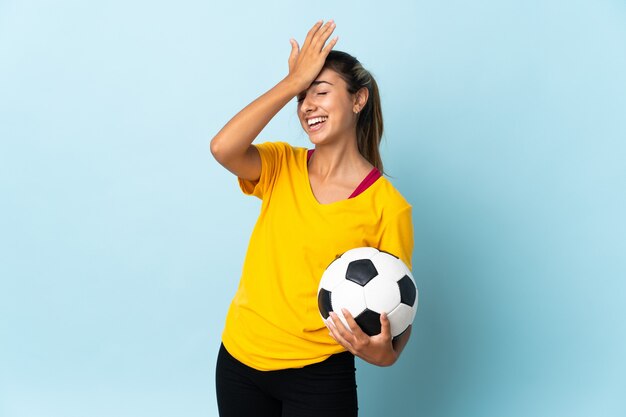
[
  {"x": 397, "y": 236},
  {"x": 272, "y": 154}
]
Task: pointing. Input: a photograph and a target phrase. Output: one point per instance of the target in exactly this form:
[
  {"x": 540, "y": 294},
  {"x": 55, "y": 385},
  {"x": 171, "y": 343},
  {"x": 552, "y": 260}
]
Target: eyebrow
[
  {"x": 320, "y": 82},
  {"x": 315, "y": 83}
]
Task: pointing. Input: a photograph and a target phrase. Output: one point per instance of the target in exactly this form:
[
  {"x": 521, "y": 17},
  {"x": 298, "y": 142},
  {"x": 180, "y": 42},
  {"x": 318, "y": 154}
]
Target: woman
[{"x": 277, "y": 357}]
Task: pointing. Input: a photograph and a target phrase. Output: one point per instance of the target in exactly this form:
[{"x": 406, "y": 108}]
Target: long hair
[{"x": 369, "y": 126}]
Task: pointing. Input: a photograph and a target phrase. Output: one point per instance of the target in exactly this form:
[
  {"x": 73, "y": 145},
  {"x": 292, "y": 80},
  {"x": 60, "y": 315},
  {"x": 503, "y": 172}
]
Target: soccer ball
[{"x": 368, "y": 282}]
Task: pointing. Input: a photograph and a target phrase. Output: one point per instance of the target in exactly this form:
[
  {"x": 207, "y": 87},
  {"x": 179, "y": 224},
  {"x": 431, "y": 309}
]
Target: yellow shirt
[{"x": 273, "y": 321}]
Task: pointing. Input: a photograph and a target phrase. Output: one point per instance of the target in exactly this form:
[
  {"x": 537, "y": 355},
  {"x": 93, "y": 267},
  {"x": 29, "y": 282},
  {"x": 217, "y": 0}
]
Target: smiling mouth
[{"x": 316, "y": 123}]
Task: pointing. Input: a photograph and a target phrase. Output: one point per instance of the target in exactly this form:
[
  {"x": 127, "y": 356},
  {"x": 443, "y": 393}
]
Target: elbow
[{"x": 215, "y": 147}]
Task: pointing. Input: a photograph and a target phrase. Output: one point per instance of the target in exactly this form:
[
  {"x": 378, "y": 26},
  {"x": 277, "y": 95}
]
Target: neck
[{"x": 338, "y": 160}]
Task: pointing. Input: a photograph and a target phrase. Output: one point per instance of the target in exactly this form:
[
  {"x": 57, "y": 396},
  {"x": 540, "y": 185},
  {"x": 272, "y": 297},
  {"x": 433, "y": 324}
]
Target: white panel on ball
[
  {"x": 382, "y": 294},
  {"x": 334, "y": 275},
  {"x": 400, "y": 318},
  {"x": 350, "y": 296},
  {"x": 389, "y": 263}
]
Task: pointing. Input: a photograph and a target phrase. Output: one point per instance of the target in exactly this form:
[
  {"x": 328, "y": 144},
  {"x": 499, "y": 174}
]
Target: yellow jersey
[{"x": 273, "y": 321}]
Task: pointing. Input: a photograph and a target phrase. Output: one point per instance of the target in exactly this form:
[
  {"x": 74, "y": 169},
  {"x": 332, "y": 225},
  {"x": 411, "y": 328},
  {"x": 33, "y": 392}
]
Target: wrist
[
  {"x": 388, "y": 358},
  {"x": 293, "y": 85},
  {"x": 391, "y": 358}
]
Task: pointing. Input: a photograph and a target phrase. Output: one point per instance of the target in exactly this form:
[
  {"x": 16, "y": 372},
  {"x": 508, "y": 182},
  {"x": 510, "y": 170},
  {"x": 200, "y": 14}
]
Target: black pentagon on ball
[
  {"x": 361, "y": 271},
  {"x": 408, "y": 292},
  {"x": 369, "y": 322},
  {"x": 323, "y": 302}
]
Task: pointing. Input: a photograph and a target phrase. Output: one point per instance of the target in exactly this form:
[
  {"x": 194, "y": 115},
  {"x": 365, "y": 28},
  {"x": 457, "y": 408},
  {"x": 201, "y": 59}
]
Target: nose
[{"x": 307, "y": 104}]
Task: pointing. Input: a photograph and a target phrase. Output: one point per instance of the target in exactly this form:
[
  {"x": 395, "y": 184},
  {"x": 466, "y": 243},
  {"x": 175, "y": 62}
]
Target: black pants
[{"x": 325, "y": 389}]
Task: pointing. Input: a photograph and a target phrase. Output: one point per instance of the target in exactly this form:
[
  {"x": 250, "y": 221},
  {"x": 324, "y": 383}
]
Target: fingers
[
  {"x": 352, "y": 324},
  {"x": 311, "y": 33},
  {"x": 306, "y": 62},
  {"x": 319, "y": 34},
  {"x": 295, "y": 50},
  {"x": 330, "y": 45},
  {"x": 324, "y": 32},
  {"x": 339, "y": 325},
  {"x": 322, "y": 35},
  {"x": 385, "y": 326},
  {"x": 339, "y": 332}
]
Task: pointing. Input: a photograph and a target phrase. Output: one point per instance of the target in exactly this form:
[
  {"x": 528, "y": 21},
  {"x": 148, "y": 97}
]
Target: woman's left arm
[{"x": 379, "y": 349}]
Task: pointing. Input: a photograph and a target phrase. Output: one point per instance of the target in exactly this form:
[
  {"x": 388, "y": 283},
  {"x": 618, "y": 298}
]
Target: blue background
[{"x": 121, "y": 239}]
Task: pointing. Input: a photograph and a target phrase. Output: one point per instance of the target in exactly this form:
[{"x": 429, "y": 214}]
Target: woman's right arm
[{"x": 232, "y": 146}]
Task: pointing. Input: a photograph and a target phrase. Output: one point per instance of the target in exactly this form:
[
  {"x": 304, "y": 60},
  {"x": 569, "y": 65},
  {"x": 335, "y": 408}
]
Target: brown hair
[{"x": 369, "y": 126}]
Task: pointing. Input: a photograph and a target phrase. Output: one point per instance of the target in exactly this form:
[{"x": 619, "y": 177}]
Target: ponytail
[{"x": 369, "y": 127}]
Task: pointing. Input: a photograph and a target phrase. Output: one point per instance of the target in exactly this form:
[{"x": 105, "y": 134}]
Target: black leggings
[{"x": 324, "y": 389}]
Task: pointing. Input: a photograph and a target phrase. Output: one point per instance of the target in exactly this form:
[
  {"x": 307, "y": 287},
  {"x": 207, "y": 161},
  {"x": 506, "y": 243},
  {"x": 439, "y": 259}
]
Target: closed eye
[{"x": 301, "y": 98}]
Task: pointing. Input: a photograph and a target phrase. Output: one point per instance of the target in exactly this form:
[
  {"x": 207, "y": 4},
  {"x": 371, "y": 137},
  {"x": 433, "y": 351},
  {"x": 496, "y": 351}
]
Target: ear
[{"x": 360, "y": 99}]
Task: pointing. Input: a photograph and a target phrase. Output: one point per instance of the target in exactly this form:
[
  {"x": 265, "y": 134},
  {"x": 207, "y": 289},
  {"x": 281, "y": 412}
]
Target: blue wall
[{"x": 121, "y": 240}]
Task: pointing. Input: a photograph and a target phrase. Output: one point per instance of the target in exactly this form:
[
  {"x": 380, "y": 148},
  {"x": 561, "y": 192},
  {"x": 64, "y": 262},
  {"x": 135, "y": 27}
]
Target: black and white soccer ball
[{"x": 368, "y": 282}]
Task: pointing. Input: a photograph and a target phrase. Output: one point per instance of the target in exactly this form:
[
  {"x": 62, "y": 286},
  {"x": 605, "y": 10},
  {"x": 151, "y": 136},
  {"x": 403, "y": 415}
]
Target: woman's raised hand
[
  {"x": 232, "y": 146},
  {"x": 306, "y": 63}
]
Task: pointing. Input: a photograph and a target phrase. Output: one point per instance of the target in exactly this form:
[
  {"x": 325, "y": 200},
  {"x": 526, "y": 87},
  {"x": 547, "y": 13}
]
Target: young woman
[{"x": 277, "y": 356}]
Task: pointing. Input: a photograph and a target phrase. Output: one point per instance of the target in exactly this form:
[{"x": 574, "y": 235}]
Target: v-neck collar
[{"x": 367, "y": 182}]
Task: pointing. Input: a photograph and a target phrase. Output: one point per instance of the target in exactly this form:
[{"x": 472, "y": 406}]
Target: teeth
[{"x": 316, "y": 120}]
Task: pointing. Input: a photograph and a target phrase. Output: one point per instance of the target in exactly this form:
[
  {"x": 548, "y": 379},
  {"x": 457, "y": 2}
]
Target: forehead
[{"x": 327, "y": 75}]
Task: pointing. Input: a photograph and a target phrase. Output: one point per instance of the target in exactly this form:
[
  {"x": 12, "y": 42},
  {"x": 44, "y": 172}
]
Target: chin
[{"x": 316, "y": 140}]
